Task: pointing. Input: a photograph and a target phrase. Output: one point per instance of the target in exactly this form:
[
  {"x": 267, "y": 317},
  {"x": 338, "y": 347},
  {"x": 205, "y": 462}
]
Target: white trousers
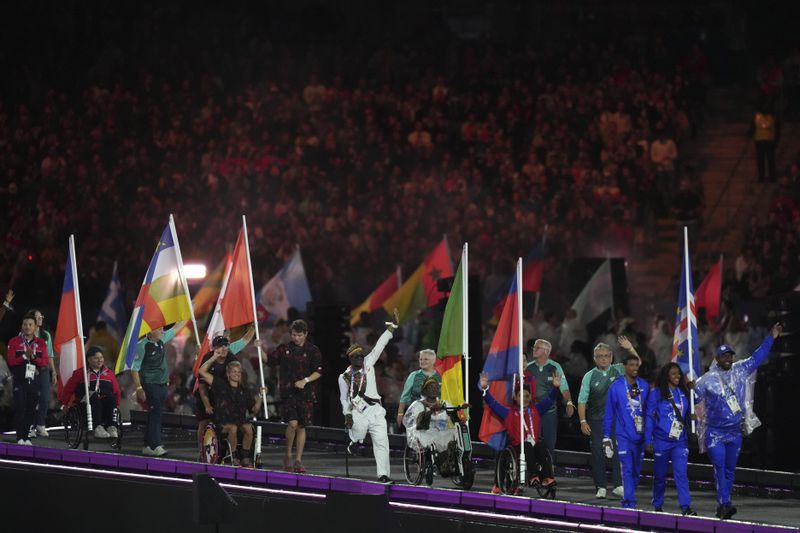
[{"x": 373, "y": 421}]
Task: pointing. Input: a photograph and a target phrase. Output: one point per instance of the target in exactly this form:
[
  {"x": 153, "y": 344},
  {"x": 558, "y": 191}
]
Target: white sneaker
[
  {"x": 112, "y": 432},
  {"x": 148, "y": 451},
  {"x": 619, "y": 492},
  {"x": 23, "y": 442},
  {"x": 101, "y": 433},
  {"x": 601, "y": 493},
  {"x": 32, "y": 433},
  {"x": 42, "y": 431},
  {"x": 28, "y": 443},
  {"x": 159, "y": 451}
]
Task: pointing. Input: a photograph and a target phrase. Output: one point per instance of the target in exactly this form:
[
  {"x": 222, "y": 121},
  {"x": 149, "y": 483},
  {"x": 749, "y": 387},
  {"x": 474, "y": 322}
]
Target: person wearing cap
[
  {"x": 412, "y": 389},
  {"x": 104, "y": 392},
  {"x": 592, "y": 409},
  {"x": 721, "y": 392},
  {"x": 625, "y": 410},
  {"x": 300, "y": 365},
  {"x": 539, "y": 459},
  {"x": 150, "y": 376},
  {"x": 361, "y": 403}
]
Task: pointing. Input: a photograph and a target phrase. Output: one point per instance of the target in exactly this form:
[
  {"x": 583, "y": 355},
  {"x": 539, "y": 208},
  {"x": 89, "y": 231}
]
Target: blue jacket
[
  {"x": 621, "y": 406},
  {"x": 661, "y": 414},
  {"x": 716, "y": 385}
]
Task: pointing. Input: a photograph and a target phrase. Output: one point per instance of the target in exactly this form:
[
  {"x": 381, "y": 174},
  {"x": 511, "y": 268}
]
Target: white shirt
[{"x": 371, "y": 389}]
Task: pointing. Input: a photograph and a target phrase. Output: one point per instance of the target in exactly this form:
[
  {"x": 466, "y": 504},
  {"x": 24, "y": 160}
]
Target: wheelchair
[
  {"x": 419, "y": 462},
  {"x": 507, "y": 474},
  {"x": 76, "y": 430},
  {"x": 216, "y": 448}
]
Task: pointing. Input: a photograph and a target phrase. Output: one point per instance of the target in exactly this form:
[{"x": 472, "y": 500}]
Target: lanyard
[
  {"x": 529, "y": 429},
  {"x": 678, "y": 410},
  {"x": 362, "y": 385},
  {"x": 726, "y": 385},
  {"x": 628, "y": 389}
]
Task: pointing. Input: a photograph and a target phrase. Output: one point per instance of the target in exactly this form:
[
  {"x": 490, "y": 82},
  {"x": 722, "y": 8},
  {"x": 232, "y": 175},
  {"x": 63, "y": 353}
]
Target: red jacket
[
  {"x": 107, "y": 386},
  {"x": 17, "y": 347}
]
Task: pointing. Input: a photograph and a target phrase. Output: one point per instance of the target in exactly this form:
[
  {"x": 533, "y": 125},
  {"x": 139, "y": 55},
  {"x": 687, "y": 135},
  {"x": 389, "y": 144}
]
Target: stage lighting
[{"x": 194, "y": 271}]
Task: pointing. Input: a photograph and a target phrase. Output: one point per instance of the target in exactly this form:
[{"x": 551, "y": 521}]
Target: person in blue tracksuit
[
  {"x": 721, "y": 390},
  {"x": 665, "y": 436},
  {"x": 625, "y": 406}
]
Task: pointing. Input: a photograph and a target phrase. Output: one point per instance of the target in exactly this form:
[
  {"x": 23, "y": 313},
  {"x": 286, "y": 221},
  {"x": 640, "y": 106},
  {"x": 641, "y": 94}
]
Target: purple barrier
[
  {"x": 449, "y": 497},
  {"x": 478, "y": 499},
  {"x": 187, "y": 468},
  {"x": 758, "y": 528},
  {"x": 50, "y": 454},
  {"x": 698, "y": 524},
  {"x": 76, "y": 456},
  {"x": 620, "y": 516},
  {"x": 314, "y": 482},
  {"x": 356, "y": 486},
  {"x": 132, "y": 462},
  {"x": 163, "y": 466},
  {"x": 3, "y": 448},
  {"x": 658, "y": 520},
  {"x": 104, "y": 459},
  {"x": 589, "y": 513},
  {"x": 221, "y": 472},
  {"x": 251, "y": 475},
  {"x": 408, "y": 493},
  {"x": 734, "y": 527},
  {"x": 513, "y": 503},
  {"x": 284, "y": 479},
  {"x": 15, "y": 450},
  {"x": 549, "y": 508}
]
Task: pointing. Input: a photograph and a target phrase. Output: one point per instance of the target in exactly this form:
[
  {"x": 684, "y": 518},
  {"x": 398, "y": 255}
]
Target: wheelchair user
[
  {"x": 535, "y": 450},
  {"x": 232, "y": 401},
  {"x": 104, "y": 392},
  {"x": 428, "y": 425}
]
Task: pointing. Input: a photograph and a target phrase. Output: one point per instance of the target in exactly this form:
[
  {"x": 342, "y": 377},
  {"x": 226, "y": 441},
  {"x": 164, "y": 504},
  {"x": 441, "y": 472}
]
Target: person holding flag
[
  {"x": 722, "y": 392},
  {"x": 104, "y": 392},
  {"x": 361, "y": 403}
]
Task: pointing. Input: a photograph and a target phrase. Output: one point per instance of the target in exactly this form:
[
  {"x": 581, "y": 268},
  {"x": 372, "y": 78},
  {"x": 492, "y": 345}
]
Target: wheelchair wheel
[
  {"x": 116, "y": 443},
  {"x": 507, "y": 471},
  {"x": 210, "y": 452},
  {"x": 413, "y": 465},
  {"x": 74, "y": 425},
  {"x": 465, "y": 482}
]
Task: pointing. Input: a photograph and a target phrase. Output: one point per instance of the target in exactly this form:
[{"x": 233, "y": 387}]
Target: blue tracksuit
[
  {"x": 624, "y": 406},
  {"x": 724, "y": 434},
  {"x": 668, "y": 445}
]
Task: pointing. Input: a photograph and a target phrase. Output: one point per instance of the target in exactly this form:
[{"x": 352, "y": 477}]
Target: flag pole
[
  {"x": 79, "y": 323},
  {"x": 258, "y": 337},
  {"x": 465, "y": 317},
  {"x": 689, "y": 317},
  {"x": 539, "y": 292},
  {"x": 183, "y": 278},
  {"x": 520, "y": 355}
]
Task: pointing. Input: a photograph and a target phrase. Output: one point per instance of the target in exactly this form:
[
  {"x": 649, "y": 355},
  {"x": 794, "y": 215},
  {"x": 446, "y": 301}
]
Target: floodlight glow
[{"x": 195, "y": 271}]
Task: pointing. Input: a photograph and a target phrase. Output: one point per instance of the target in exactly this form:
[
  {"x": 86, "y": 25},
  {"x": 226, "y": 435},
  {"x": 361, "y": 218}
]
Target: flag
[
  {"x": 685, "y": 323},
  {"x": 708, "y": 294},
  {"x": 235, "y": 304},
  {"x": 68, "y": 341},
  {"x": 451, "y": 342},
  {"x": 163, "y": 298},
  {"x": 203, "y": 302},
  {"x": 376, "y": 299},
  {"x": 532, "y": 273},
  {"x": 112, "y": 312},
  {"x": 421, "y": 290},
  {"x": 288, "y": 288},
  {"x": 502, "y": 365},
  {"x": 596, "y": 297}
]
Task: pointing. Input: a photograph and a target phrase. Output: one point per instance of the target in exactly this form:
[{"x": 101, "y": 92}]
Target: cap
[
  {"x": 354, "y": 350},
  {"x": 722, "y": 349},
  {"x": 219, "y": 341}
]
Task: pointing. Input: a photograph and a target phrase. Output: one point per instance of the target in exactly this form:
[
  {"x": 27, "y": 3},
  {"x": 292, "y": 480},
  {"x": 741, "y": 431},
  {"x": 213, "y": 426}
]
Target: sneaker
[
  {"x": 385, "y": 479},
  {"x": 659, "y": 510},
  {"x": 42, "y": 431},
  {"x": 601, "y": 494},
  {"x": 101, "y": 433},
  {"x": 112, "y": 432},
  {"x": 23, "y": 442},
  {"x": 619, "y": 492},
  {"x": 299, "y": 468},
  {"x": 32, "y": 433},
  {"x": 148, "y": 451},
  {"x": 688, "y": 511},
  {"x": 548, "y": 482},
  {"x": 496, "y": 489},
  {"x": 247, "y": 462},
  {"x": 534, "y": 481},
  {"x": 159, "y": 451}
]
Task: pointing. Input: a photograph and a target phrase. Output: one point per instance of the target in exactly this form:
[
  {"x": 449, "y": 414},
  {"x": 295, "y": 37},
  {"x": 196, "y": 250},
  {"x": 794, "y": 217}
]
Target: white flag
[{"x": 596, "y": 296}]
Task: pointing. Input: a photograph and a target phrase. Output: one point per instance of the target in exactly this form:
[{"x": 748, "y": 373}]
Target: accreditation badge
[
  {"x": 638, "y": 422},
  {"x": 733, "y": 403},
  {"x": 676, "y": 429}
]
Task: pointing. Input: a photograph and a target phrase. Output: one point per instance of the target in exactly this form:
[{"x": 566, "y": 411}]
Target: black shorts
[{"x": 296, "y": 407}]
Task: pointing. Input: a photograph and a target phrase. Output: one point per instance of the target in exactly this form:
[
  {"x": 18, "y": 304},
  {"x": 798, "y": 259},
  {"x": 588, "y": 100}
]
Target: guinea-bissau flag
[{"x": 451, "y": 342}]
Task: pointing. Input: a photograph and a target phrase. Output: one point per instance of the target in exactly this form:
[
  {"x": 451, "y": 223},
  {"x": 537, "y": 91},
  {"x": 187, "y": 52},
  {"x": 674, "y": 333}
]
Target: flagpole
[
  {"x": 538, "y": 293},
  {"x": 465, "y": 317},
  {"x": 258, "y": 337},
  {"x": 79, "y": 323},
  {"x": 520, "y": 355},
  {"x": 399, "y": 272},
  {"x": 183, "y": 278},
  {"x": 689, "y": 317}
]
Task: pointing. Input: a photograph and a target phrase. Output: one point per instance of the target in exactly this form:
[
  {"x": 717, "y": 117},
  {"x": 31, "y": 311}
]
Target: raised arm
[
  {"x": 752, "y": 363},
  {"x": 625, "y": 344},
  {"x": 204, "y": 371},
  {"x": 498, "y": 408}
]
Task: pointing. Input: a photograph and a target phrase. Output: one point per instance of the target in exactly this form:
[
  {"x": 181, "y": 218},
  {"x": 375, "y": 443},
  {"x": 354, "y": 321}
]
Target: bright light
[{"x": 195, "y": 271}]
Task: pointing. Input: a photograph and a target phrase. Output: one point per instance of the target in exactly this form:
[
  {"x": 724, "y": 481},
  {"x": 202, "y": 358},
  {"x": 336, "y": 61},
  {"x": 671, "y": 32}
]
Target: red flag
[
  {"x": 235, "y": 304},
  {"x": 709, "y": 293}
]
